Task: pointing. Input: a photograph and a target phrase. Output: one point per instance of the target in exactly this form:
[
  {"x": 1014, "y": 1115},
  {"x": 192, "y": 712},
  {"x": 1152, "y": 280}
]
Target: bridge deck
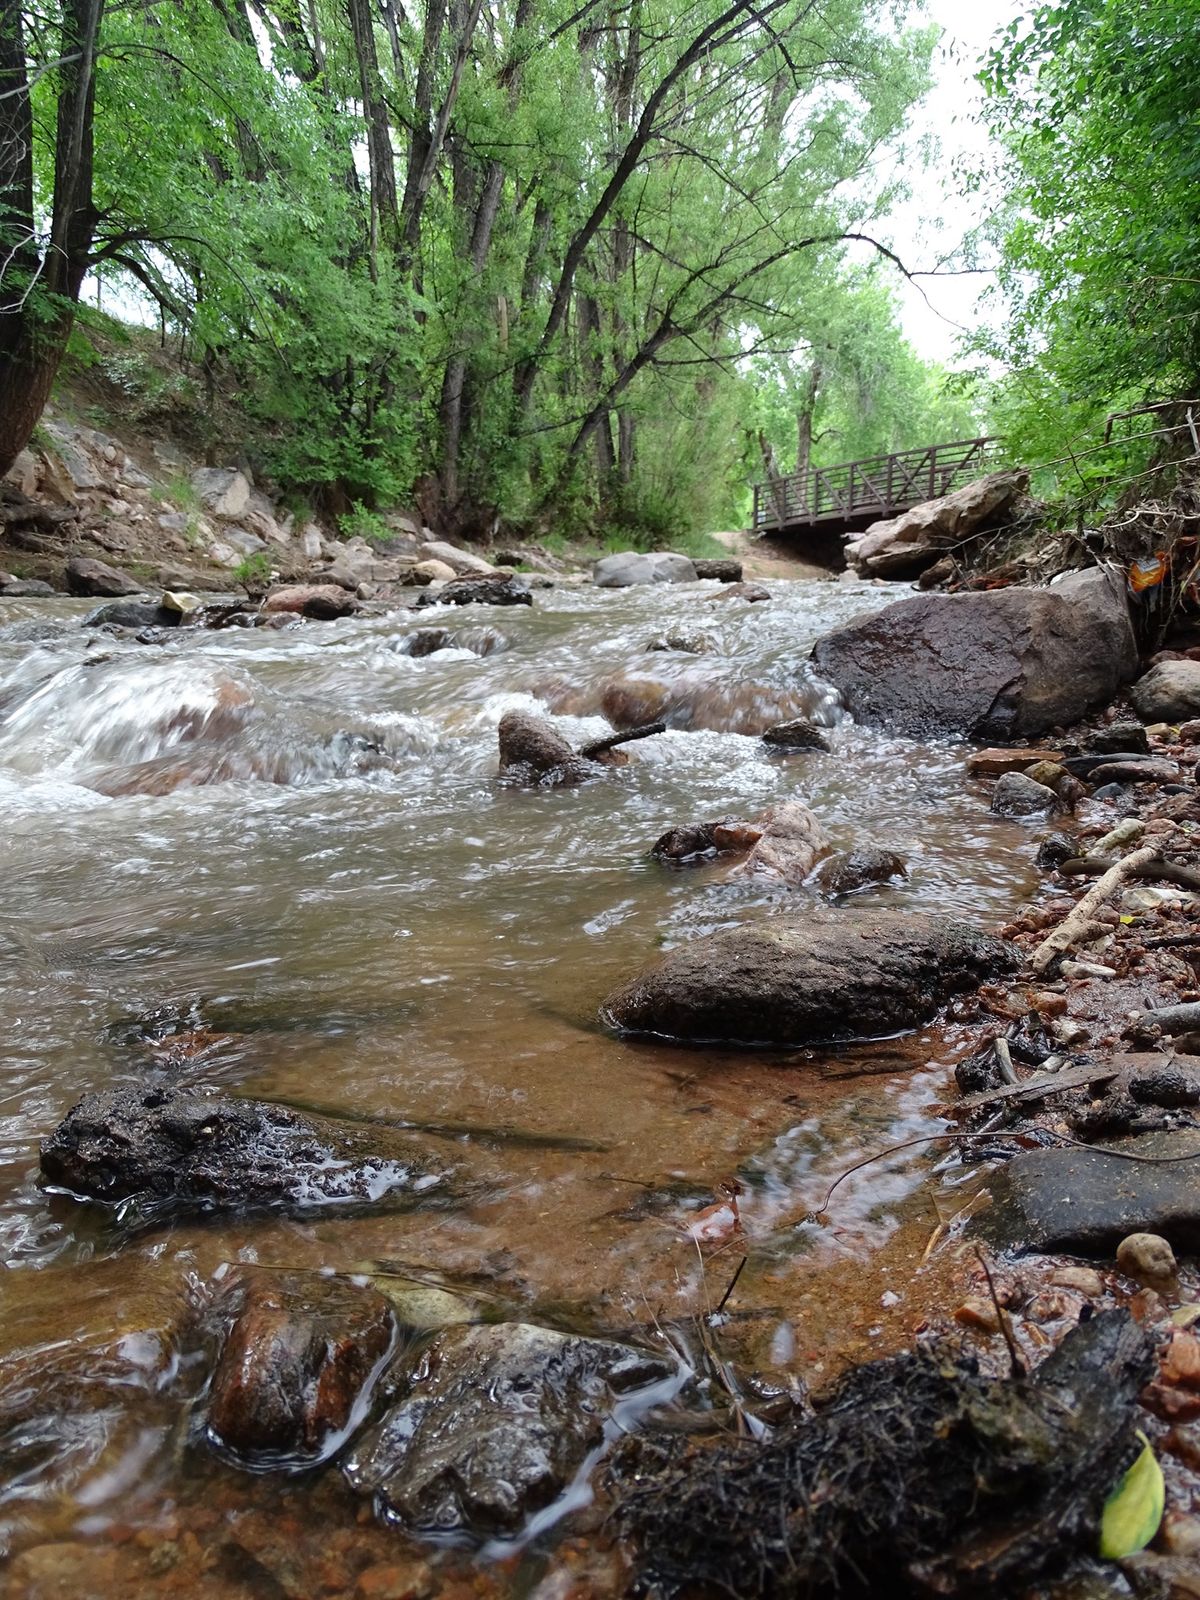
[{"x": 825, "y": 503}]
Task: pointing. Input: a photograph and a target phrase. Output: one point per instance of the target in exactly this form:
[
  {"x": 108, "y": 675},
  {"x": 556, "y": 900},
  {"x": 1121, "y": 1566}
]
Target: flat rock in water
[
  {"x": 299, "y": 1355},
  {"x": 995, "y": 763},
  {"x": 131, "y": 614},
  {"x": 496, "y": 1422},
  {"x": 1087, "y": 1201},
  {"x": 26, "y": 588},
  {"x": 1002, "y": 664},
  {"x": 832, "y": 976},
  {"x": 790, "y": 845},
  {"x": 180, "y": 1151},
  {"x": 627, "y": 568}
]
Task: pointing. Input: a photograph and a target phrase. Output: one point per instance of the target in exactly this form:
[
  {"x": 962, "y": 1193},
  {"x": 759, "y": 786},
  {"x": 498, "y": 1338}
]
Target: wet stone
[
  {"x": 795, "y": 735},
  {"x": 689, "y": 843},
  {"x": 298, "y": 1360},
  {"x": 495, "y": 1423},
  {"x": 850, "y": 870},
  {"x": 834, "y": 975},
  {"x": 505, "y": 589},
  {"x": 178, "y": 1151},
  {"x": 1015, "y": 795},
  {"x": 1087, "y": 1201},
  {"x": 87, "y": 577},
  {"x": 131, "y": 614},
  {"x": 427, "y": 641},
  {"x": 532, "y": 751}
]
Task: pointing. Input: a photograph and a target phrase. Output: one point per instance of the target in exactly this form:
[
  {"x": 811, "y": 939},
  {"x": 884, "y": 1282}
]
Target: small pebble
[
  {"x": 1148, "y": 1259},
  {"x": 1180, "y": 1535},
  {"x": 976, "y": 1312},
  {"x": 1082, "y": 1279}
]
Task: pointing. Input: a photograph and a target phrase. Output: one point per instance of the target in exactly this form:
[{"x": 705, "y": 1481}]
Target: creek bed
[{"x": 346, "y": 912}]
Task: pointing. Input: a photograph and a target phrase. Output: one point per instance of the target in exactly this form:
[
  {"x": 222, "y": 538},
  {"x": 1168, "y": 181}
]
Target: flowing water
[{"x": 284, "y": 856}]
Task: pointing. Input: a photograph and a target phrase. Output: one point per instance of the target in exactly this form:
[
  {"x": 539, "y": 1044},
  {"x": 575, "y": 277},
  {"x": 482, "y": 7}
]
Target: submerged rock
[
  {"x": 427, "y": 641},
  {"x": 851, "y": 870},
  {"x": 752, "y": 593},
  {"x": 791, "y": 843},
  {"x": 1004, "y": 664},
  {"x": 297, "y": 1363},
  {"x": 495, "y": 1424},
  {"x": 689, "y": 843},
  {"x": 185, "y": 1151},
  {"x": 848, "y": 975}
]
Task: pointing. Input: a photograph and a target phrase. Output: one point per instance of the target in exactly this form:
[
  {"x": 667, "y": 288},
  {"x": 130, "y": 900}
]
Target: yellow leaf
[
  {"x": 1134, "y": 1509},
  {"x": 1127, "y": 920}
]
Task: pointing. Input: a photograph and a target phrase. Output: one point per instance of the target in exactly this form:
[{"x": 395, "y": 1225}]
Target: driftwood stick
[
  {"x": 1072, "y": 925},
  {"x": 1173, "y": 1019},
  {"x": 600, "y": 746},
  {"x": 1163, "y": 871}
]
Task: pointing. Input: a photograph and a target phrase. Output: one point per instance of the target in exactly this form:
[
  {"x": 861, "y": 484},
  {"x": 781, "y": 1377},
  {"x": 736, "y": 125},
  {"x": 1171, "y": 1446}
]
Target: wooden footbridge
[{"x": 818, "y": 508}]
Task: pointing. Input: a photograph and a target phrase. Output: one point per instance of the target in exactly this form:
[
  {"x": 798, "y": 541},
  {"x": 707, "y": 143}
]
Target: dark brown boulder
[
  {"x": 795, "y": 735},
  {"x": 504, "y": 589},
  {"x": 851, "y": 870},
  {"x": 532, "y": 751},
  {"x": 998, "y": 665},
  {"x": 87, "y": 577},
  {"x": 843, "y": 975},
  {"x": 173, "y": 1151},
  {"x": 323, "y": 602},
  {"x": 723, "y": 570},
  {"x": 297, "y": 1362}
]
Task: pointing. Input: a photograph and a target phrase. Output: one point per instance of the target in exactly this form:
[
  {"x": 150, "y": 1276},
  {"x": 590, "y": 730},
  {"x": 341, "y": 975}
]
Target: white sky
[{"x": 937, "y": 218}]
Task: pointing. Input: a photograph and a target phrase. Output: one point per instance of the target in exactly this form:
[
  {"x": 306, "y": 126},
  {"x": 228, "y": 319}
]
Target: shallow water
[{"x": 366, "y": 922}]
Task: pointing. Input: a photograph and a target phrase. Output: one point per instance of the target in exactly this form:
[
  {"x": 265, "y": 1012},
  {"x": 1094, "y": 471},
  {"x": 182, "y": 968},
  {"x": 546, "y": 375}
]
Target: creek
[{"x": 331, "y": 902}]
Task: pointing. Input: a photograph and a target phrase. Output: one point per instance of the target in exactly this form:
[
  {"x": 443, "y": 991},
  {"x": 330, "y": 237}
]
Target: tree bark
[
  {"x": 34, "y": 332},
  {"x": 385, "y": 213}
]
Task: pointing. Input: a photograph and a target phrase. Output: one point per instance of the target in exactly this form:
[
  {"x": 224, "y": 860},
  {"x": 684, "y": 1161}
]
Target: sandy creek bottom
[{"x": 387, "y": 933}]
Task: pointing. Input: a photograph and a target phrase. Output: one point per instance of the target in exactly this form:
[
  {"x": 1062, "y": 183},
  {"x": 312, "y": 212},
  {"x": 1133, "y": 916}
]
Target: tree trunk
[
  {"x": 32, "y": 339},
  {"x": 804, "y": 420},
  {"x": 385, "y": 215},
  {"x": 774, "y": 479}
]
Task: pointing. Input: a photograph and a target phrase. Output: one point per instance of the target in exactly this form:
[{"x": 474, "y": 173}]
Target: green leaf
[{"x": 1134, "y": 1509}]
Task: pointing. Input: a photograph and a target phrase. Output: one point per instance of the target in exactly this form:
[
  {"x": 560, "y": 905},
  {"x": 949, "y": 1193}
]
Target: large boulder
[
  {"x": 222, "y": 490},
  {"x": 1001, "y": 664},
  {"x": 630, "y": 567},
  {"x": 847, "y": 975},
  {"x": 323, "y": 601},
  {"x": 903, "y": 546},
  {"x": 298, "y": 1359},
  {"x": 95, "y": 578},
  {"x": 185, "y": 1151},
  {"x": 1169, "y": 692},
  {"x": 462, "y": 563},
  {"x": 494, "y": 1424}
]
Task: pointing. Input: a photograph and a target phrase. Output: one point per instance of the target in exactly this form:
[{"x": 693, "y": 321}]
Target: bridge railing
[{"x": 880, "y": 485}]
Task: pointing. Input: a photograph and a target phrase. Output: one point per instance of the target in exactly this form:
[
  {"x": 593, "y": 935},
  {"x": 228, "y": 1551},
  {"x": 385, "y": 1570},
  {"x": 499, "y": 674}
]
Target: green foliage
[
  {"x": 538, "y": 272},
  {"x": 253, "y": 571},
  {"x": 1095, "y": 103},
  {"x": 361, "y": 523}
]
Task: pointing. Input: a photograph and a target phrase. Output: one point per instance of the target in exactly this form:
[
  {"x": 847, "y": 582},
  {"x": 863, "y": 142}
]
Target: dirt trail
[{"x": 769, "y": 558}]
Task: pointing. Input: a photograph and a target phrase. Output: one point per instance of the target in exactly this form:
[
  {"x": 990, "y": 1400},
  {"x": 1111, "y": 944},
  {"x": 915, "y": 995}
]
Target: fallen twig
[
  {"x": 1166, "y": 871},
  {"x": 600, "y": 747},
  {"x": 1073, "y": 924}
]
